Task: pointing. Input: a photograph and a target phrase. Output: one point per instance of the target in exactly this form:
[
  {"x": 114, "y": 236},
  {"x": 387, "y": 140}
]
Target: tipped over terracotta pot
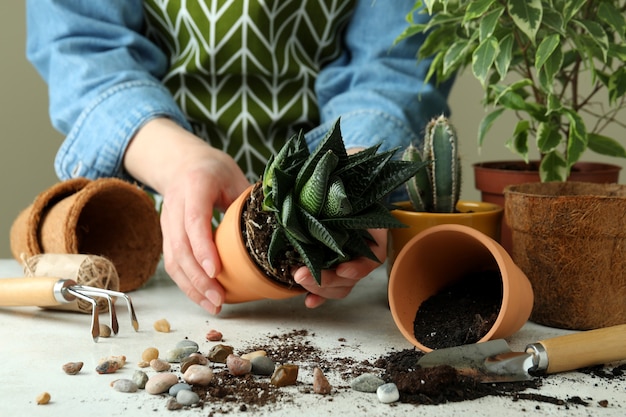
[{"x": 441, "y": 256}]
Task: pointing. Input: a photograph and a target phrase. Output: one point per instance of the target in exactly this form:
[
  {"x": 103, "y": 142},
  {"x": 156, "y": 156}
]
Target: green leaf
[
  {"x": 486, "y": 124},
  {"x": 503, "y": 60},
  {"x": 612, "y": 16},
  {"x": 277, "y": 247},
  {"x": 548, "y": 137},
  {"x": 489, "y": 21},
  {"x": 545, "y": 49},
  {"x": 605, "y": 145},
  {"x": 375, "y": 217},
  {"x": 551, "y": 68},
  {"x": 337, "y": 202},
  {"x": 553, "y": 20},
  {"x": 321, "y": 233},
  {"x": 577, "y": 139},
  {"x": 597, "y": 35},
  {"x": 312, "y": 195},
  {"x": 476, "y": 9},
  {"x": 571, "y": 7},
  {"x": 455, "y": 56},
  {"x": 312, "y": 256},
  {"x": 617, "y": 85},
  {"x": 483, "y": 58},
  {"x": 289, "y": 220},
  {"x": 553, "y": 167},
  {"x": 519, "y": 142},
  {"x": 527, "y": 15}
]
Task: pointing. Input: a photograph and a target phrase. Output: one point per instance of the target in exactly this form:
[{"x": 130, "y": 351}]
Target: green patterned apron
[{"x": 243, "y": 71}]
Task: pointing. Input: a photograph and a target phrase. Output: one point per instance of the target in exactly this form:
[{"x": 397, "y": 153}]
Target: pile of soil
[{"x": 461, "y": 313}]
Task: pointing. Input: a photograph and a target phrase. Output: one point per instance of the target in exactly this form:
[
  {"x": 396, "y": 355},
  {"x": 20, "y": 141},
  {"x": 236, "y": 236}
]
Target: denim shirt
[{"x": 104, "y": 82}]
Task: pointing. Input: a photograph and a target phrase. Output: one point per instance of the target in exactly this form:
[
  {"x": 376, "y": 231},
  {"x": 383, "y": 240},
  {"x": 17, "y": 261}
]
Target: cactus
[
  {"x": 437, "y": 188},
  {"x": 324, "y": 202}
]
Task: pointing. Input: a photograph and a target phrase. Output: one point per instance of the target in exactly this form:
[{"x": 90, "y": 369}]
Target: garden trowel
[{"x": 494, "y": 361}]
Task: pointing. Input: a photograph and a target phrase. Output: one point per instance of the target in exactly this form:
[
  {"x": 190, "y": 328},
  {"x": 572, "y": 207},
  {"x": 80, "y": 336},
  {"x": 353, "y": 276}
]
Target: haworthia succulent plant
[{"x": 325, "y": 201}]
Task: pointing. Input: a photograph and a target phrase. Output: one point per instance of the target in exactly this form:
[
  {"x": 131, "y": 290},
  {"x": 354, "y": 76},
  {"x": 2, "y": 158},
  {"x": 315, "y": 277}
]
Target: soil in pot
[
  {"x": 258, "y": 227},
  {"x": 461, "y": 313}
]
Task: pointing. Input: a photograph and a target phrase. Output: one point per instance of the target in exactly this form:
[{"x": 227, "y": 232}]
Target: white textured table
[{"x": 35, "y": 343}]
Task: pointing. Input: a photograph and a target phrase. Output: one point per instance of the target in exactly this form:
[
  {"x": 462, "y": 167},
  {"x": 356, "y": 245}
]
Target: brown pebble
[
  {"x": 162, "y": 326},
  {"x": 202, "y": 360},
  {"x": 107, "y": 367},
  {"x": 143, "y": 364},
  {"x": 320, "y": 383},
  {"x": 188, "y": 361},
  {"x": 219, "y": 353},
  {"x": 120, "y": 360},
  {"x": 238, "y": 366},
  {"x": 603, "y": 403},
  {"x": 172, "y": 404},
  {"x": 150, "y": 353},
  {"x": 213, "y": 336},
  {"x": 43, "y": 398},
  {"x": 159, "y": 365},
  {"x": 72, "y": 368},
  {"x": 285, "y": 375},
  {"x": 160, "y": 383},
  {"x": 105, "y": 331}
]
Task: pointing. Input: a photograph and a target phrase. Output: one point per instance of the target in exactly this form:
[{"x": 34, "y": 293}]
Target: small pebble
[
  {"x": 149, "y": 354},
  {"x": 174, "y": 389},
  {"x": 366, "y": 383},
  {"x": 172, "y": 404},
  {"x": 202, "y": 360},
  {"x": 198, "y": 375},
  {"x": 105, "y": 331},
  {"x": 262, "y": 365},
  {"x": 43, "y": 398},
  {"x": 238, "y": 366},
  {"x": 160, "y": 365},
  {"x": 188, "y": 345},
  {"x": 214, "y": 336},
  {"x": 188, "y": 361},
  {"x": 320, "y": 383},
  {"x": 251, "y": 355},
  {"x": 140, "y": 378},
  {"x": 72, "y": 368},
  {"x": 176, "y": 355},
  {"x": 219, "y": 353},
  {"x": 285, "y": 375},
  {"x": 160, "y": 383},
  {"x": 143, "y": 364},
  {"x": 187, "y": 397},
  {"x": 107, "y": 367},
  {"x": 120, "y": 360},
  {"x": 162, "y": 326},
  {"x": 388, "y": 393},
  {"x": 124, "y": 385}
]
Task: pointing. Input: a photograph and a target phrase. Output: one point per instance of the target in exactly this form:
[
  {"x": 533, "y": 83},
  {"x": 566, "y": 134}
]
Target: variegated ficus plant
[
  {"x": 437, "y": 187},
  {"x": 323, "y": 202},
  {"x": 557, "y": 64}
]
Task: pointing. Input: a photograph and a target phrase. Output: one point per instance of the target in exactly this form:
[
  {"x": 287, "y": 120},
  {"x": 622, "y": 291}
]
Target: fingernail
[
  {"x": 209, "y": 307},
  {"x": 301, "y": 277},
  {"x": 209, "y": 268},
  {"x": 214, "y": 297}
]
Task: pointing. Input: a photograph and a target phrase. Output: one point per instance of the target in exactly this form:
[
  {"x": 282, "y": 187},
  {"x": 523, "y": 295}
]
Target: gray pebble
[
  {"x": 186, "y": 397},
  {"x": 176, "y": 355},
  {"x": 388, "y": 393},
  {"x": 366, "y": 383},
  {"x": 262, "y": 365},
  {"x": 140, "y": 378},
  {"x": 124, "y": 385},
  {"x": 176, "y": 388},
  {"x": 188, "y": 345}
]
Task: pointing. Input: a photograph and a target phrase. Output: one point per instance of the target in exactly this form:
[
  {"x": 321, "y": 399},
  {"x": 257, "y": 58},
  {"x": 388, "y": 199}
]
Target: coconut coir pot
[
  {"x": 570, "y": 240},
  {"x": 107, "y": 217},
  {"x": 441, "y": 256}
]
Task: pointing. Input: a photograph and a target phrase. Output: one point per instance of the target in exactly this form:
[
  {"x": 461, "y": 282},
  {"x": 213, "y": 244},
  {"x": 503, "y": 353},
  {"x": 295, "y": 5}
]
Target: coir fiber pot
[
  {"x": 484, "y": 217},
  {"x": 241, "y": 278},
  {"x": 570, "y": 240},
  {"x": 106, "y": 217},
  {"x": 491, "y": 178},
  {"x": 444, "y": 254}
]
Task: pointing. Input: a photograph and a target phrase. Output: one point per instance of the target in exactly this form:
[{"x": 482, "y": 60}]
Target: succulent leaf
[
  {"x": 313, "y": 193},
  {"x": 289, "y": 220},
  {"x": 418, "y": 186},
  {"x": 323, "y": 234},
  {"x": 337, "y": 202},
  {"x": 374, "y": 217}
]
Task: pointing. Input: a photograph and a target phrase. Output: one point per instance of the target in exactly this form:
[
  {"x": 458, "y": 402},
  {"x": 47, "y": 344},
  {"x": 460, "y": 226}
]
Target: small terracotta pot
[
  {"x": 107, "y": 217},
  {"x": 491, "y": 178},
  {"x": 240, "y": 276},
  {"x": 441, "y": 255},
  {"x": 484, "y": 217}
]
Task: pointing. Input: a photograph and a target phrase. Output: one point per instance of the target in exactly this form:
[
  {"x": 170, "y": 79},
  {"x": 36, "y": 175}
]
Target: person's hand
[
  {"x": 194, "y": 179},
  {"x": 337, "y": 283}
]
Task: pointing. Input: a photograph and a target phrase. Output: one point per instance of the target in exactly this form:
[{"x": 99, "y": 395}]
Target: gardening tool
[
  {"x": 52, "y": 291},
  {"x": 494, "y": 361}
]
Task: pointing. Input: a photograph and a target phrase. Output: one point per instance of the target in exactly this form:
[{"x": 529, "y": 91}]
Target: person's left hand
[{"x": 337, "y": 283}]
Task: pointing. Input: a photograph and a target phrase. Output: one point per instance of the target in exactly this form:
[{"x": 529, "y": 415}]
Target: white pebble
[
  {"x": 198, "y": 374},
  {"x": 125, "y": 385},
  {"x": 160, "y": 383},
  {"x": 388, "y": 393},
  {"x": 186, "y": 397}
]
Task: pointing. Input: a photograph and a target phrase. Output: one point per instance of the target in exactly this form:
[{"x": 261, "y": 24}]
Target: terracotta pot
[
  {"x": 485, "y": 217},
  {"x": 440, "y": 256},
  {"x": 491, "y": 178},
  {"x": 570, "y": 240},
  {"x": 241, "y": 277},
  {"x": 106, "y": 217}
]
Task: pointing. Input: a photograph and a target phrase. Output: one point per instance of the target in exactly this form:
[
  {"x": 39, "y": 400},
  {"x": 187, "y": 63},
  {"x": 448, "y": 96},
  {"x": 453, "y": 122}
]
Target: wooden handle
[
  {"x": 30, "y": 291},
  {"x": 579, "y": 350}
]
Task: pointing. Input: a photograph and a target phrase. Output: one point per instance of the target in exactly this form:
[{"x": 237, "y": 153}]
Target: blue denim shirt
[{"x": 104, "y": 80}]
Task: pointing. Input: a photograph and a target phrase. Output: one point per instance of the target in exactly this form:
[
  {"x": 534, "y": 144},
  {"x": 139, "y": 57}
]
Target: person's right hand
[{"x": 194, "y": 179}]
